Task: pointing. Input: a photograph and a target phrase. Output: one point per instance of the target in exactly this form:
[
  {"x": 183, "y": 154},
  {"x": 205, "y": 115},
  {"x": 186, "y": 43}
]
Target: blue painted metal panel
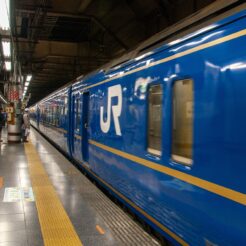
[
  {"x": 218, "y": 69},
  {"x": 85, "y": 126}
]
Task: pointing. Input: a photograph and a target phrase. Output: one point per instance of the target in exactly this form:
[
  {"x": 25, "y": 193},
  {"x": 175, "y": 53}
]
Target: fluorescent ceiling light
[
  {"x": 6, "y": 48},
  {"x": 27, "y": 83},
  {"x": 4, "y": 13},
  {"x": 3, "y": 99},
  {"x": 29, "y": 77},
  {"x": 7, "y": 64},
  {"x": 21, "y": 79}
]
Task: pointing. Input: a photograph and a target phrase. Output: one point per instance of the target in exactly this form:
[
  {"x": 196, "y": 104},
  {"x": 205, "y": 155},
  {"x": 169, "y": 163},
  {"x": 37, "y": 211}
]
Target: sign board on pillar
[{"x": 9, "y": 110}]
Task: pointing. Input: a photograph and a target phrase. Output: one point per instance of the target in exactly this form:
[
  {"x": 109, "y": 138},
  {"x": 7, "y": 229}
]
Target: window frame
[
  {"x": 77, "y": 111},
  {"x": 152, "y": 151},
  {"x": 185, "y": 161}
]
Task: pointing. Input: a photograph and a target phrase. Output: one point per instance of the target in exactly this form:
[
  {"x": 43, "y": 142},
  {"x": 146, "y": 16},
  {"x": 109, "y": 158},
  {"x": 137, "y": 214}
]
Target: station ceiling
[{"x": 59, "y": 40}]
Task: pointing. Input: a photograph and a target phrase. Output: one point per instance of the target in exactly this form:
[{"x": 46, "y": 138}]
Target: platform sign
[{"x": 17, "y": 194}]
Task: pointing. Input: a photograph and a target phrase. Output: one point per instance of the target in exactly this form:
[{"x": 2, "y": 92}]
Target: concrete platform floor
[{"x": 95, "y": 218}]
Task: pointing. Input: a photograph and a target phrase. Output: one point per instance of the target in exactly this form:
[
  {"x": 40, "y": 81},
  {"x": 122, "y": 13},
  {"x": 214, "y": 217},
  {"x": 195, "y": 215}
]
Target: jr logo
[{"x": 113, "y": 91}]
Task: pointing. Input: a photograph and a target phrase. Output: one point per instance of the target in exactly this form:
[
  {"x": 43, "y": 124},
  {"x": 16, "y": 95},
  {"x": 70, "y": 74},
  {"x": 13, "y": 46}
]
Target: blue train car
[{"x": 165, "y": 133}]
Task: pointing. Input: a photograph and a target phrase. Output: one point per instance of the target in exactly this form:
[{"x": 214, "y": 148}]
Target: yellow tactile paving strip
[{"x": 56, "y": 226}]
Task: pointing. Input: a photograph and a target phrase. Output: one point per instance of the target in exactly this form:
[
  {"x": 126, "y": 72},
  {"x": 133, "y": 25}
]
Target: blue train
[{"x": 165, "y": 131}]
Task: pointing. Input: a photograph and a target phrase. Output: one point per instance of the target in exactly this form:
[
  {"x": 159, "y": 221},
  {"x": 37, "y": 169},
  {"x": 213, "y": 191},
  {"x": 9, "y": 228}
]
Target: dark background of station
[{"x": 59, "y": 40}]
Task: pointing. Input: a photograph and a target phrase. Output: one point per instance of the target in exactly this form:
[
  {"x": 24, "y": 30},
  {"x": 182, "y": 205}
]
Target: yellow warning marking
[
  {"x": 56, "y": 226},
  {"x": 1, "y": 182},
  {"x": 100, "y": 230}
]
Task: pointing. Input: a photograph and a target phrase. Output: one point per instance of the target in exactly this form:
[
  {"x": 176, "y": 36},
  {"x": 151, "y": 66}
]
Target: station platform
[{"x": 45, "y": 200}]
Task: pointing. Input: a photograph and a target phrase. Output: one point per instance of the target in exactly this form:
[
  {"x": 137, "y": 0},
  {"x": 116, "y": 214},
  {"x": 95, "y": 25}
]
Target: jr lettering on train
[{"x": 113, "y": 91}]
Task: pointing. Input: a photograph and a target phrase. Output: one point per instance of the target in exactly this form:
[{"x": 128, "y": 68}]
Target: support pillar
[{"x": 14, "y": 115}]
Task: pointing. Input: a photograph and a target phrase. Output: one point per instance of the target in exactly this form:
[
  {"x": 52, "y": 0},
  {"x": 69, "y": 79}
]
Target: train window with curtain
[
  {"x": 65, "y": 105},
  {"x": 154, "y": 119},
  {"x": 58, "y": 114},
  {"x": 53, "y": 114},
  {"x": 48, "y": 114},
  {"x": 182, "y": 121}
]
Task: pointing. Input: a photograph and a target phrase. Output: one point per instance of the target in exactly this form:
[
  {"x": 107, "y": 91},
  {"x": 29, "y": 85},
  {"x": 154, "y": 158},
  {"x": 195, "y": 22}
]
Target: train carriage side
[
  {"x": 76, "y": 123},
  {"x": 167, "y": 134},
  {"x": 79, "y": 118},
  {"x": 54, "y": 118},
  {"x": 34, "y": 116}
]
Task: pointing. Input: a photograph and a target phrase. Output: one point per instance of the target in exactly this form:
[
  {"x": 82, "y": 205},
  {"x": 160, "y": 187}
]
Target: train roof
[
  {"x": 190, "y": 27},
  {"x": 219, "y": 13}
]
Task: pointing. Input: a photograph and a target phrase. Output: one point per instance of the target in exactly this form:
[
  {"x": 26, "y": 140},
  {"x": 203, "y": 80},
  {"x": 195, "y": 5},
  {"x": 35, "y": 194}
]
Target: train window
[
  {"x": 154, "y": 119},
  {"x": 53, "y": 114},
  {"x": 48, "y": 114},
  {"x": 65, "y": 105},
  {"x": 78, "y": 115},
  {"x": 182, "y": 122},
  {"x": 58, "y": 114}
]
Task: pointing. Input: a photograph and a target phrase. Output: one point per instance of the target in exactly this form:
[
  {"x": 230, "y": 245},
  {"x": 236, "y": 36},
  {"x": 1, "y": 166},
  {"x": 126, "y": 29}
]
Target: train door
[
  {"x": 76, "y": 127},
  {"x": 38, "y": 116},
  {"x": 68, "y": 109},
  {"x": 85, "y": 125},
  {"x": 71, "y": 144}
]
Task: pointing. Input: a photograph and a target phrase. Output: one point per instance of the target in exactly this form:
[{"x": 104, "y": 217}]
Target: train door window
[
  {"x": 154, "y": 119},
  {"x": 182, "y": 121},
  {"x": 78, "y": 114},
  {"x": 65, "y": 105}
]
